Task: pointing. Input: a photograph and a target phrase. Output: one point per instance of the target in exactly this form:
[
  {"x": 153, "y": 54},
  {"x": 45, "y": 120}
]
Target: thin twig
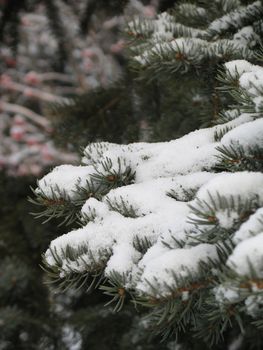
[{"x": 34, "y": 117}]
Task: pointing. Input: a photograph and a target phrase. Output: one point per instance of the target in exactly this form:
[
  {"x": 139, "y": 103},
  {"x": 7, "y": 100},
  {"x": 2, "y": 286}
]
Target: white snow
[
  {"x": 251, "y": 227},
  {"x": 250, "y": 80},
  {"x": 242, "y": 185},
  {"x": 64, "y": 179},
  {"x": 238, "y": 67},
  {"x": 139, "y": 231},
  {"x": 225, "y": 294},
  {"x": 247, "y": 135},
  {"x": 254, "y": 305},
  {"x": 160, "y": 271},
  {"x": 247, "y": 37},
  {"x": 124, "y": 257},
  {"x": 248, "y": 255},
  {"x": 111, "y": 239},
  {"x": 94, "y": 207}
]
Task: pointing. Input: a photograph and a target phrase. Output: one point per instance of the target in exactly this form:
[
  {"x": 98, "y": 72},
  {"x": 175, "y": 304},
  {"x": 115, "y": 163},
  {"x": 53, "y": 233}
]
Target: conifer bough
[{"x": 176, "y": 226}]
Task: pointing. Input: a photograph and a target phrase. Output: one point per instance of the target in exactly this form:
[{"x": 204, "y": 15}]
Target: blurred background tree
[{"x": 54, "y": 54}]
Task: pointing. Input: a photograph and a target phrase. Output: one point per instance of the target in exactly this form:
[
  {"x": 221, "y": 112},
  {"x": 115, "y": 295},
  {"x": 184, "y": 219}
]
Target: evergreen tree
[
  {"x": 188, "y": 45},
  {"x": 176, "y": 227},
  {"x": 37, "y": 68}
]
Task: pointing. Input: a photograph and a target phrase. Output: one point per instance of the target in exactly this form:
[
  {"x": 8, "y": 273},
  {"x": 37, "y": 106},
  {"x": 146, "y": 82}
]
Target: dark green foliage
[
  {"x": 170, "y": 109},
  {"x": 102, "y": 114},
  {"x": 193, "y": 65},
  {"x": 154, "y": 89},
  {"x": 117, "y": 108},
  {"x": 105, "y": 331},
  {"x": 111, "y": 178},
  {"x": 59, "y": 207},
  {"x": 116, "y": 291},
  {"x": 123, "y": 207},
  {"x": 166, "y": 4},
  {"x": 19, "y": 284},
  {"x": 187, "y": 196},
  {"x": 142, "y": 244},
  {"x": 237, "y": 159},
  {"x": 24, "y": 302},
  {"x": 168, "y": 106},
  {"x": 108, "y": 331},
  {"x": 20, "y": 330}
]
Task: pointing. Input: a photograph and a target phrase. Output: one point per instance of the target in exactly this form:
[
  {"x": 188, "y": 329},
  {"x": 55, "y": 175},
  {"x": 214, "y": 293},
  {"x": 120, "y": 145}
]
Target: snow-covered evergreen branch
[
  {"x": 175, "y": 226},
  {"x": 193, "y": 37}
]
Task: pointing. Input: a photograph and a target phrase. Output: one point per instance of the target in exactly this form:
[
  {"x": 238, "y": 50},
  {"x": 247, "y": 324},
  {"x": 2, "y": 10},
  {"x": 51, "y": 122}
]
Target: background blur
[{"x": 64, "y": 82}]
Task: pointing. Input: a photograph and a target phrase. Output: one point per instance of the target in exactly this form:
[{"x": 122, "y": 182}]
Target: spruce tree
[
  {"x": 36, "y": 68},
  {"x": 175, "y": 228},
  {"x": 187, "y": 44}
]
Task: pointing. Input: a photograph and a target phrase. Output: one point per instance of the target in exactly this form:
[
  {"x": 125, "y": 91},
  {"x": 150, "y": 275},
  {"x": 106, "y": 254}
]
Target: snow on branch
[
  {"x": 168, "y": 223},
  {"x": 175, "y": 43}
]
